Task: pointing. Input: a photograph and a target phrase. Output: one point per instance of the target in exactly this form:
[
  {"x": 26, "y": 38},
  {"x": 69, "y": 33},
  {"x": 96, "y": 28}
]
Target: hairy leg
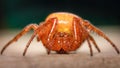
[
  {"x": 89, "y": 44},
  {"x": 93, "y": 41},
  {"x": 28, "y": 44},
  {"x": 51, "y": 28},
  {"x": 48, "y": 51},
  {"x": 24, "y": 31},
  {"x": 90, "y": 27}
]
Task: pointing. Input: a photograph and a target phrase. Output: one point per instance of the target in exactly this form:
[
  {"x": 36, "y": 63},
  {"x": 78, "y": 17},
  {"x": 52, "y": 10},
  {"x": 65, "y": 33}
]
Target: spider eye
[{"x": 61, "y": 34}]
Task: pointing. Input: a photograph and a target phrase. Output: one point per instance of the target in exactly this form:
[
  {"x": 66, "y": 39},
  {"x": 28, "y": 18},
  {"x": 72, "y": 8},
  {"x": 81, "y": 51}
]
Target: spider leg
[
  {"x": 48, "y": 51},
  {"x": 50, "y": 39},
  {"x": 77, "y": 35},
  {"x": 93, "y": 41},
  {"x": 90, "y": 27},
  {"x": 24, "y": 31},
  {"x": 28, "y": 44},
  {"x": 89, "y": 44},
  {"x": 52, "y": 31},
  {"x": 47, "y": 30}
]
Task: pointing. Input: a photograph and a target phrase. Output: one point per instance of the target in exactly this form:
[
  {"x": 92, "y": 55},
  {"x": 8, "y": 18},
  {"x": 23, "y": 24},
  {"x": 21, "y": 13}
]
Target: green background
[{"x": 19, "y": 13}]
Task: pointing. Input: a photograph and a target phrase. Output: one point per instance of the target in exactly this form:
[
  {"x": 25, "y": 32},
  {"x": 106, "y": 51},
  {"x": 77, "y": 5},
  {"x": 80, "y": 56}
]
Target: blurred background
[{"x": 19, "y": 13}]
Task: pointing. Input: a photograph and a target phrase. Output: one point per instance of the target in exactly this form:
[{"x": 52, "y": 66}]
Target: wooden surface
[{"x": 36, "y": 56}]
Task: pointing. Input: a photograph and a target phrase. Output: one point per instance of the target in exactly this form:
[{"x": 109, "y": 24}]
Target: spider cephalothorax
[{"x": 62, "y": 32}]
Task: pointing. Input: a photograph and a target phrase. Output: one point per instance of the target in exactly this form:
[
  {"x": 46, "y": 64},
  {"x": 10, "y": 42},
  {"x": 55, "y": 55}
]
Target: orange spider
[{"x": 62, "y": 32}]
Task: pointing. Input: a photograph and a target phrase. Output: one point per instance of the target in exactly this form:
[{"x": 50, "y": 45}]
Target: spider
[{"x": 62, "y": 32}]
